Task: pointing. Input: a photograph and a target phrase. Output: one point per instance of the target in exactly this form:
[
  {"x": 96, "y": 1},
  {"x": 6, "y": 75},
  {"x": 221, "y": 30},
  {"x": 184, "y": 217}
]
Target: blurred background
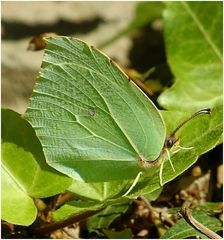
[{"x": 139, "y": 43}]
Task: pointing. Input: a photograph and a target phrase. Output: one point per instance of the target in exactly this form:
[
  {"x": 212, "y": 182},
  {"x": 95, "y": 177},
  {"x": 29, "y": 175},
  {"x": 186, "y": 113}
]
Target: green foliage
[
  {"x": 103, "y": 219},
  {"x": 193, "y": 40},
  {"x": 24, "y": 171},
  {"x": 194, "y": 53},
  {"x": 125, "y": 234},
  {"x": 146, "y": 12},
  {"x": 183, "y": 230},
  {"x": 75, "y": 207},
  {"x": 17, "y": 206},
  {"x": 213, "y": 207},
  {"x": 102, "y": 191}
]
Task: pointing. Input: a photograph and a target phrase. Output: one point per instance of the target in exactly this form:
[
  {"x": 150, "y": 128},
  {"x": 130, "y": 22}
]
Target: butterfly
[{"x": 93, "y": 122}]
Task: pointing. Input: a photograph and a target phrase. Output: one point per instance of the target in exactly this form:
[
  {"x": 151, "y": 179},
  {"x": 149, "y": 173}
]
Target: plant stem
[
  {"x": 48, "y": 228},
  {"x": 186, "y": 213}
]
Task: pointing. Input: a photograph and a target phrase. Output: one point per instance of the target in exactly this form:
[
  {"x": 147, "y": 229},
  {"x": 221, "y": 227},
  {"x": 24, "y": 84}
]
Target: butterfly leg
[
  {"x": 185, "y": 148},
  {"x": 181, "y": 148},
  {"x": 171, "y": 164},
  {"x": 161, "y": 168},
  {"x": 161, "y": 174},
  {"x": 133, "y": 184}
]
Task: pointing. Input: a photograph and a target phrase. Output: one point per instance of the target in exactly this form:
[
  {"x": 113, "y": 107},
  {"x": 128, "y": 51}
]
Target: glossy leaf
[
  {"x": 25, "y": 173},
  {"x": 93, "y": 123},
  {"x": 193, "y": 40},
  {"x": 22, "y": 155},
  {"x": 17, "y": 207}
]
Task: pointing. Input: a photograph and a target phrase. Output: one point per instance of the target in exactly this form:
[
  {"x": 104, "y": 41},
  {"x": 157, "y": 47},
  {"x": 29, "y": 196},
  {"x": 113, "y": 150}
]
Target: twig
[
  {"x": 186, "y": 213},
  {"x": 156, "y": 214},
  {"x": 63, "y": 198},
  {"x": 48, "y": 228}
]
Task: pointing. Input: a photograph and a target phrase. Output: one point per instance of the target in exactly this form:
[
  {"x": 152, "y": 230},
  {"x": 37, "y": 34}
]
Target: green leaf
[
  {"x": 153, "y": 195},
  {"x": 73, "y": 208},
  {"x": 125, "y": 234},
  {"x": 25, "y": 173},
  {"x": 102, "y": 191},
  {"x": 93, "y": 123},
  {"x": 193, "y": 40},
  {"x": 146, "y": 12},
  {"x": 17, "y": 207},
  {"x": 103, "y": 219},
  {"x": 212, "y": 207},
  {"x": 183, "y": 230}
]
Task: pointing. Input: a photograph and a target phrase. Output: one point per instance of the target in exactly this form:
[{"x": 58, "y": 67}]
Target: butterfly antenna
[{"x": 200, "y": 112}]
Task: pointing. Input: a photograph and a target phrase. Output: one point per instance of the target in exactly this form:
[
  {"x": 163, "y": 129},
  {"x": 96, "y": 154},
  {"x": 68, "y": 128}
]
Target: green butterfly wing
[{"x": 92, "y": 121}]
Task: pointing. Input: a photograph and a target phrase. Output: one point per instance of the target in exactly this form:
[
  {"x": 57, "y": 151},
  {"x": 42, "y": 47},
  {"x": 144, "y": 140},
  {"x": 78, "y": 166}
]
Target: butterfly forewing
[{"x": 92, "y": 121}]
